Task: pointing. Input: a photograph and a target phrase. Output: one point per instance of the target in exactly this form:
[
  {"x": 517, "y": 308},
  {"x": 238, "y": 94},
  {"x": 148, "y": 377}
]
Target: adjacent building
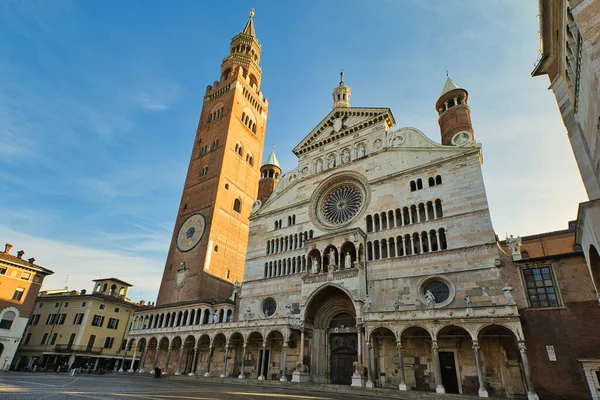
[
  {"x": 70, "y": 328},
  {"x": 20, "y": 282}
]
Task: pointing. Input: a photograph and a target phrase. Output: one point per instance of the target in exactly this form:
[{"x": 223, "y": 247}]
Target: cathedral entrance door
[{"x": 343, "y": 354}]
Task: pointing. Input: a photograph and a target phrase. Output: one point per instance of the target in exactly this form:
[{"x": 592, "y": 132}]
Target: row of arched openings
[
  {"x": 405, "y": 216},
  {"x": 407, "y": 245},
  {"x": 182, "y": 318},
  {"x": 289, "y": 242},
  {"x": 417, "y": 184}
]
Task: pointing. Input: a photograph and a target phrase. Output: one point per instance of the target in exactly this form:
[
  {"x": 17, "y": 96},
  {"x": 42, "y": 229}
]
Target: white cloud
[{"x": 82, "y": 264}]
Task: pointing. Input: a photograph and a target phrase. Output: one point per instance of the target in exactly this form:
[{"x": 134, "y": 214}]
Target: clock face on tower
[{"x": 191, "y": 232}]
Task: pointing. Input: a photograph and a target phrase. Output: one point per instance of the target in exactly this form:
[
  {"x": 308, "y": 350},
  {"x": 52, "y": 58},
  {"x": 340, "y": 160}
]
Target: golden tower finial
[{"x": 252, "y": 13}]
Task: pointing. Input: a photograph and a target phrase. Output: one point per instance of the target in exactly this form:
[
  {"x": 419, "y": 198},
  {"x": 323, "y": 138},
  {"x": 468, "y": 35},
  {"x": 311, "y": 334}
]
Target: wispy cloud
[{"x": 78, "y": 265}]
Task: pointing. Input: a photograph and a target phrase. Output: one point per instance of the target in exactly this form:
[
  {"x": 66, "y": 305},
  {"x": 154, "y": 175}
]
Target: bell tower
[
  {"x": 454, "y": 115},
  {"x": 208, "y": 247}
]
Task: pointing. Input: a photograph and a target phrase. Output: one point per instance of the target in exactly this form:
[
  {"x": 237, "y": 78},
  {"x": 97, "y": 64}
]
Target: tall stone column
[
  {"x": 302, "y": 346},
  {"x": 360, "y": 343},
  {"x": 261, "y": 377},
  {"x": 242, "y": 376},
  {"x": 143, "y": 360},
  {"x": 370, "y": 382},
  {"x": 193, "y": 370},
  {"x": 132, "y": 361},
  {"x": 155, "y": 357},
  {"x": 482, "y": 390},
  {"x": 167, "y": 361},
  {"x": 178, "y": 372},
  {"x": 283, "y": 377},
  {"x": 402, "y": 385},
  {"x": 531, "y": 394},
  {"x": 123, "y": 361},
  {"x": 210, "y": 354},
  {"x": 437, "y": 368},
  {"x": 224, "y": 373}
]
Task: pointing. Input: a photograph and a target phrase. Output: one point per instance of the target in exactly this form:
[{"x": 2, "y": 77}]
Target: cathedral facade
[{"x": 372, "y": 263}]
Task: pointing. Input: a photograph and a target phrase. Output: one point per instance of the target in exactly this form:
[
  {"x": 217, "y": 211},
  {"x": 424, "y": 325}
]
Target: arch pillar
[
  {"x": 402, "y": 385},
  {"x": 482, "y": 390},
  {"x": 195, "y": 360},
  {"x": 437, "y": 368},
  {"x": 242, "y": 376},
  {"x": 531, "y": 393}
]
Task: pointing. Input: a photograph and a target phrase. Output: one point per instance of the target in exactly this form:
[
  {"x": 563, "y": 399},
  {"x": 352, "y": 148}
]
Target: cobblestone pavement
[{"x": 38, "y": 386}]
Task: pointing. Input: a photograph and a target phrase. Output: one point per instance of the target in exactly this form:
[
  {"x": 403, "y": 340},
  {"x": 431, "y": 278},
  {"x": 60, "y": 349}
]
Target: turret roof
[
  {"x": 249, "y": 28},
  {"x": 272, "y": 159},
  {"x": 449, "y": 86}
]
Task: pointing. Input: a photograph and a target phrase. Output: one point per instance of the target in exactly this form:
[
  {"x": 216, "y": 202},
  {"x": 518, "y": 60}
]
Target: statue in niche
[
  {"x": 331, "y": 161},
  {"x": 332, "y": 258},
  {"x": 360, "y": 151},
  {"x": 314, "y": 265},
  {"x": 348, "y": 260},
  {"x": 288, "y": 310},
  {"x": 507, "y": 289},
  {"x": 248, "y": 312},
  {"x": 345, "y": 156},
  {"x": 429, "y": 299},
  {"x": 397, "y": 305},
  {"x": 367, "y": 303},
  {"x": 216, "y": 317},
  {"x": 319, "y": 165},
  {"x": 469, "y": 301}
]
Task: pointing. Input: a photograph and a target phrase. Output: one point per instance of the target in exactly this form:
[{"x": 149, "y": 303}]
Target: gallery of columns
[{"x": 330, "y": 344}]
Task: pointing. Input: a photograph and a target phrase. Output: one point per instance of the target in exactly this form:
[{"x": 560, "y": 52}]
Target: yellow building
[
  {"x": 79, "y": 329},
  {"x": 20, "y": 282}
]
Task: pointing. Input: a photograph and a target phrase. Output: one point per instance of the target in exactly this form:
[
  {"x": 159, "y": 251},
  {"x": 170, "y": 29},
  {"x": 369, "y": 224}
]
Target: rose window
[{"x": 342, "y": 204}]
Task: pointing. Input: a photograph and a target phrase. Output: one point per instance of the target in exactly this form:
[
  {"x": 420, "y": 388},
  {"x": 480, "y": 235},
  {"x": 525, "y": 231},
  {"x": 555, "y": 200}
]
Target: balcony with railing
[{"x": 65, "y": 348}]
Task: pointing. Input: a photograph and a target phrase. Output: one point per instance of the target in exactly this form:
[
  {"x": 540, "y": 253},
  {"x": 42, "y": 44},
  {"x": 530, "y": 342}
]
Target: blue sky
[{"x": 99, "y": 103}]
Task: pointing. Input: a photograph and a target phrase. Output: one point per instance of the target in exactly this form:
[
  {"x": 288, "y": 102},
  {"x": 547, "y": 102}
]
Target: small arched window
[
  {"x": 438, "y": 180},
  {"x": 413, "y": 186},
  {"x": 431, "y": 181},
  {"x": 237, "y": 206},
  {"x": 7, "y": 320},
  {"x": 419, "y": 184},
  {"x": 204, "y": 170}
]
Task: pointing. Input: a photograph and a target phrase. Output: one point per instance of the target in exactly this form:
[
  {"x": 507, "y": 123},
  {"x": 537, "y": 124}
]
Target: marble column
[
  {"x": 132, "y": 361},
  {"x": 370, "y": 382},
  {"x": 155, "y": 358},
  {"x": 531, "y": 394},
  {"x": 402, "y": 385},
  {"x": 210, "y": 354},
  {"x": 123, "y": 361},
  {"x": 178, "y": 371},
  {"x": 143, "y": 360},
  {"x": 193, "y": 370},
  {"x": 224, "y": 373},
  {"x": 283, "y": 377},
  {"x": 482, "y": 391},
  {"x": 301, "y": 347},
  {"x": 360, "y": 345},
  {"x": 437, "y": 368},
  {"x": 165, "y": 372},
  {"x": 242, "y": 376},
  {"x": 261, "y": 376}
]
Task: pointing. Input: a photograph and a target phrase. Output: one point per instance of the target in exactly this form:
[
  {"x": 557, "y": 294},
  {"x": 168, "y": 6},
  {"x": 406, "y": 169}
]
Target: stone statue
[
  {"x": 331, "y": 161},
  {"x": 319, "y": 165},
  {"x": 367, "y": 303},
  {"x": 360, "y": 151},
  {"x": 397, "y": 305},
  {"x": 216, "y": 317},
  {"x": 469, "y": 301},
  {"x": 288, "y": 309},
  {"x": 332, "y": 258},
  {"x": 346, "y": 156},
  {"x": 315, "y": 265},
  {"x": 348, "y": 260},
  {"x": 236, "y": 289},
  {"x": 513, "y": 243},
  {"x": 429, "y": 299},
  {"x": 507, "y": 289},
  {"x": 248, "y": 312}
]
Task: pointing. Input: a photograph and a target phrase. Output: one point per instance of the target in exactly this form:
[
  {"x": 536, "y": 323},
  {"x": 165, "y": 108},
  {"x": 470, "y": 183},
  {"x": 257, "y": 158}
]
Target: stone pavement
[{"x": 26, "y": 386}]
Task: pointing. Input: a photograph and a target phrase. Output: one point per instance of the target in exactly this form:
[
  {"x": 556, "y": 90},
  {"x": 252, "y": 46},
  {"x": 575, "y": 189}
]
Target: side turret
[
  {"x": 341, "y": 94},
  {"x": 454, "y": 115},
  {"x": 270, "y": 173}
]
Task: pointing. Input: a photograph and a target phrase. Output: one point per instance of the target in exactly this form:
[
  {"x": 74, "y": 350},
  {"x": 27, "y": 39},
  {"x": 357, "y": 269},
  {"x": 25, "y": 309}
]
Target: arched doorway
[{"x": 332, "y": 314}]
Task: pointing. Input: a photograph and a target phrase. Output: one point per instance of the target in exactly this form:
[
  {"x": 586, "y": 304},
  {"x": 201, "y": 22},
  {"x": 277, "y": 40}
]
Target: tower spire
[{"x": 249, "y": 28}]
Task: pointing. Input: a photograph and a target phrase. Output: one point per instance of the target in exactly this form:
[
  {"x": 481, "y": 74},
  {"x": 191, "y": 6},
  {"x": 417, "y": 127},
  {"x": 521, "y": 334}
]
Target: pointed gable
[{"x": 341, "y": 122}]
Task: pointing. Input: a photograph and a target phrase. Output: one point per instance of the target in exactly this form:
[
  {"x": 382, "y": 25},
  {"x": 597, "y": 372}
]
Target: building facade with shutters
[
  {"x": 20, "y": 282},
  {"x": 77, "y": 329}
]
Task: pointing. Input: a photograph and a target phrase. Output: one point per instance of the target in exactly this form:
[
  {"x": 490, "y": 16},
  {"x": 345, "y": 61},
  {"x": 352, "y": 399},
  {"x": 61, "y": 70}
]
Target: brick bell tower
[
  {"x": 454, "y": 115},
  {"x": 208, "y": 248}
]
